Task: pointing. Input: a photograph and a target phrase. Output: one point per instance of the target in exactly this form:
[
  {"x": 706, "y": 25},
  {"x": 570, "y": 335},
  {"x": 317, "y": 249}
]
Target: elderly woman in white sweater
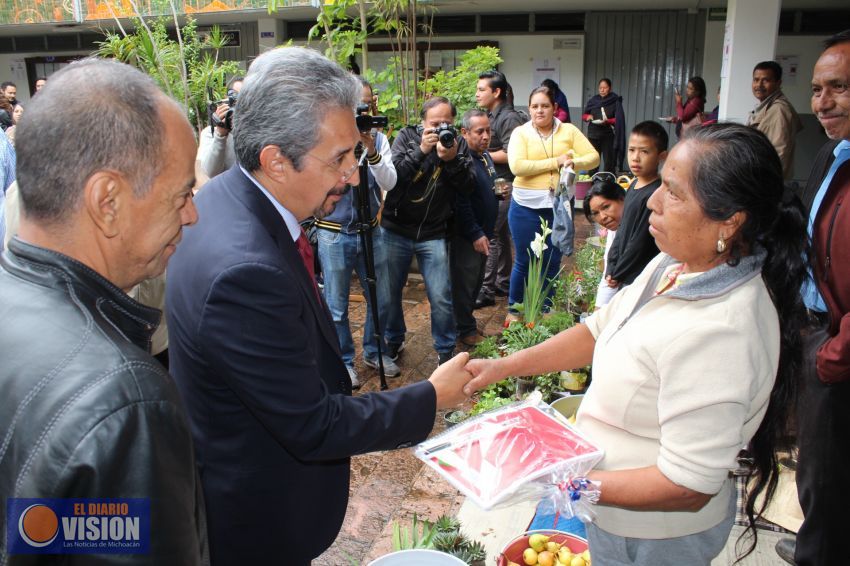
[{"x": 686, "y": 361}]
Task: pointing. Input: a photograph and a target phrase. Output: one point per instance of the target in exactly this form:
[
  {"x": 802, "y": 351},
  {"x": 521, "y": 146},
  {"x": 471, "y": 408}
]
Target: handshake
[{"x": 456, "y": 380}]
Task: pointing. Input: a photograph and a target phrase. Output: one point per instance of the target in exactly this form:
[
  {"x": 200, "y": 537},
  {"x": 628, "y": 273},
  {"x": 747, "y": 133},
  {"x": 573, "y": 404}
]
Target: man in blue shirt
[
  {"x": 7, "y": 177},
  {"x": 823, "y": 418}
]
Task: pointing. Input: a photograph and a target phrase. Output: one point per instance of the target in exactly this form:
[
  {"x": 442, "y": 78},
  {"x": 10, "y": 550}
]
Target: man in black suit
[{"x": 252, "y": 346}]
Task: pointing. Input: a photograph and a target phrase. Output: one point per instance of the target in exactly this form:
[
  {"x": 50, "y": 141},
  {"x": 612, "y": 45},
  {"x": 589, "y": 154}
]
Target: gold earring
[{"x": 721, "y": 245}]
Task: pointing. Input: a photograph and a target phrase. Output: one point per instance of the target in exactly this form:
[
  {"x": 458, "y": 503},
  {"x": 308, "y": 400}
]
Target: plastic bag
[
  {"x": 563, "y": 229},
  {"x": 523, "y": 451},
  {"x": 567, "y": 183}
]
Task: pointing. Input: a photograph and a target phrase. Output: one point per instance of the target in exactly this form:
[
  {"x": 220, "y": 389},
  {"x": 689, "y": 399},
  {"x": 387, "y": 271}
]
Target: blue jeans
[
  {"x": 525, "y": 223},
  {"x": 340, "y": 254},
  {"x": 433, "y": 259}
]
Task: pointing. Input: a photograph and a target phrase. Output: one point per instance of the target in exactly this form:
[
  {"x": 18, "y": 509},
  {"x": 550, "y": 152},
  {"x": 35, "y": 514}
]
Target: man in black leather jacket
[
  {"x": 417, "y": 220},
  {"x": 86, "y": 414}
]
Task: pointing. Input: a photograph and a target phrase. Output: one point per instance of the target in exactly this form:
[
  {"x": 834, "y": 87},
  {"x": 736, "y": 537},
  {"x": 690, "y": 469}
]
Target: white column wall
[
  {"x": 270, "y": 31},
  {"x": 750, "y": 37}
]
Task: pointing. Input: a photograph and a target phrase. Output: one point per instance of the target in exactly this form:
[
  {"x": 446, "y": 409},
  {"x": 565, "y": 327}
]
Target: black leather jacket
[{"x": 85, "y": 411}]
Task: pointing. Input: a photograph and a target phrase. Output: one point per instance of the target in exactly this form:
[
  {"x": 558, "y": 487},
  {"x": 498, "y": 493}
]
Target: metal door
[{"x": 644, "y": 54}]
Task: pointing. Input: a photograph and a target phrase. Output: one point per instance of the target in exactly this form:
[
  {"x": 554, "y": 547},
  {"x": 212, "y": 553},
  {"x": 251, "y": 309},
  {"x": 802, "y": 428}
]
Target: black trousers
[
  {"x": 823, "y": 465},
  {"x": 467, "y": 269},
  {"x": 497, "y": 274},
  {"x": 605, "y": 147}
]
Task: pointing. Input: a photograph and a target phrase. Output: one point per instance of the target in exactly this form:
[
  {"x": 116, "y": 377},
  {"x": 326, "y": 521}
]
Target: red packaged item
[{"x": 525, "y": 450}]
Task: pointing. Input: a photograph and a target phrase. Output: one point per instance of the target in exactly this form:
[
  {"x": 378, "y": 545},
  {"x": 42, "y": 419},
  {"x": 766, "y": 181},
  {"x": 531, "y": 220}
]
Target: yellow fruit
[
  {"x": 553, "y": 547},
  {"x": 565, "y": 556},
  {"x": 546, "y": 558},
  {"x": 577, "y": 561},
  {"x": 538, "y": 542},
  {"x": 586, "y": 556},
  {"x": 529, "y": 556}
]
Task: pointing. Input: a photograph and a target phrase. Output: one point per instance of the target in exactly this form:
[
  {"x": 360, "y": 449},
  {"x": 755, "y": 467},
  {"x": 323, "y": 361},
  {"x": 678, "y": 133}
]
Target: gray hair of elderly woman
[
  {"x": 284, "y": 98},
  {"x": 111, "y": 123}
]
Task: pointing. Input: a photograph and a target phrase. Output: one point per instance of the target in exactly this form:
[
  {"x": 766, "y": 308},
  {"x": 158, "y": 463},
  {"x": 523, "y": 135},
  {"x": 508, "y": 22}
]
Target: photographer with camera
[
  {"x": 340, "y": 249},
  {"x": 215, "y": 146},
  {"x": 433, "y": 166}
]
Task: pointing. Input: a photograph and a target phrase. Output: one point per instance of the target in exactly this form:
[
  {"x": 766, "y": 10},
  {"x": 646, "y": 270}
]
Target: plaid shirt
[
  {"x": 7, "y": 177},
  {"x": 7, "y": 162}
]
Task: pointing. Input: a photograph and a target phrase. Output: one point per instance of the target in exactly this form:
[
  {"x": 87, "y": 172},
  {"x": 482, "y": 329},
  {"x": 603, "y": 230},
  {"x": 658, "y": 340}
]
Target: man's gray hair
[
  {"x": 94, "y": 114},
  {"x": 466, "y": 121},
  {"x": 284, "y": 98}
]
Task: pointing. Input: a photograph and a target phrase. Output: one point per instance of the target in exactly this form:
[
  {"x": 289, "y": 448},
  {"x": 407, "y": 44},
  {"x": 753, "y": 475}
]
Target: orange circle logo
[{"x": 38, "y": 525}]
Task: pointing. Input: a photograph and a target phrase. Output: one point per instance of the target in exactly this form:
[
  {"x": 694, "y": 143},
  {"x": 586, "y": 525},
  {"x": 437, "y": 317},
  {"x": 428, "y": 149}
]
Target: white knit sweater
[{"x": 682, "y": 383}]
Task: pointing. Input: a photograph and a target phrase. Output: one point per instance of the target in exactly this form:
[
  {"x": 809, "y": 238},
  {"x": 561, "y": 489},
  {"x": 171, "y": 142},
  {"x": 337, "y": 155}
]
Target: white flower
[{"x": 539, "y": 244}]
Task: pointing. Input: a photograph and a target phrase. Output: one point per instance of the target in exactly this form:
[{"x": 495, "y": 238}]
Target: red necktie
[{"x": 305, "y": 250}]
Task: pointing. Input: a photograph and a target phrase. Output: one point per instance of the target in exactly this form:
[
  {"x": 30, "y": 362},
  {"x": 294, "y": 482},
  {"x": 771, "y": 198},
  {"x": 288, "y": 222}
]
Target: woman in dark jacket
[{"x": 606, "y": 128}]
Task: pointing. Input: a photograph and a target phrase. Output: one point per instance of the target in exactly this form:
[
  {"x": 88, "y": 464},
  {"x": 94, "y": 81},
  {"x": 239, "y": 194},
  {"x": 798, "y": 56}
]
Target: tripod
[{"x": 364, "y": 227}]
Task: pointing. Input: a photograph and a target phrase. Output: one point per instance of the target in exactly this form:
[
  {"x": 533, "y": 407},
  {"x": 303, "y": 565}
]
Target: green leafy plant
[
  {"x": 345, "y": 36},
  {"x": 487, "y": 348},
  {"x": 489, "y": 400},
  {"x": 557, "y": 321},
  {"x": 419, "y": 535},
  {"x": 459, "y": 84},
  {"x": 447, "y": 524},
  {"x": 518, "y": 336},
  {"x": 548, "y": 384},
  {"x": 575, "y": 292},
  {"x": 537, "y": 285},
  {"x": 187, "y": 68},
  {"x": 457, "y": 416},
  {"x": 444, "y": 535}
]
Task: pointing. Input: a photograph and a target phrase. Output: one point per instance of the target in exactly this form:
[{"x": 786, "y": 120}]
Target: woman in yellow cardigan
[{"x": 536, "y": 152}]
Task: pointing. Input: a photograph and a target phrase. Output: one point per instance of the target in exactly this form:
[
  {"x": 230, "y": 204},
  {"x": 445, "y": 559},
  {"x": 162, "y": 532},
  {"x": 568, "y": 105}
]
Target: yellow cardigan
[{"x": 527, "y": 155}]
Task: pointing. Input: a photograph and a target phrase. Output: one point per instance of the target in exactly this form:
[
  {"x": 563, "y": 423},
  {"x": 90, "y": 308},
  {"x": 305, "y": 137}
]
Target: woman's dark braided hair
[{"x": 739, "y": 170}]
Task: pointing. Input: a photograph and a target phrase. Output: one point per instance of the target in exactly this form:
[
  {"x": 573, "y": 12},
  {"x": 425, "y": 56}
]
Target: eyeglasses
[{"x": 336, "y": 165}]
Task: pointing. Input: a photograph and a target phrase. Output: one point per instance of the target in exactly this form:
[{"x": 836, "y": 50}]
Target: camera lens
[{"x": 447, "y": 138}]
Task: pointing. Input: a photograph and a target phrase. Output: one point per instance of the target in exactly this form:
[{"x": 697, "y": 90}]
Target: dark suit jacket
[{"x": 257, "y": 361}]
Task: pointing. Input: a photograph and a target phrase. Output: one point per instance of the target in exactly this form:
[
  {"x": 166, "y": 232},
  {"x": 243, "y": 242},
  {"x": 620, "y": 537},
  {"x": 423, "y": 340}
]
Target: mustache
[{"x": 339, "y": 192}]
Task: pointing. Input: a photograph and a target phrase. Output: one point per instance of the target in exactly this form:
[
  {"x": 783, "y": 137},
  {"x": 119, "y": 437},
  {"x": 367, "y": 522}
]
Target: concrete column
[
  {"x": 751, "y": 30},
  {"x": 271, "y": 33}
]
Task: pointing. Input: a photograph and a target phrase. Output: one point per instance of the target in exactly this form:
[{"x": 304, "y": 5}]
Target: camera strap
[{"x": 432, "y": 183}]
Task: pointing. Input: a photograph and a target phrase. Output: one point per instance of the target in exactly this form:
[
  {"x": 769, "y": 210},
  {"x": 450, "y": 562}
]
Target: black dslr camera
[
  {"x": 227, "y": 121},
  {"x": 365, "y": 122},
  {"x": 445, "y": 132}
]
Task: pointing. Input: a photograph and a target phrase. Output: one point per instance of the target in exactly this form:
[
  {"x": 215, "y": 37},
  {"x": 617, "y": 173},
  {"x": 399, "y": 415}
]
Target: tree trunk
[{"x": 363, "y": 28}]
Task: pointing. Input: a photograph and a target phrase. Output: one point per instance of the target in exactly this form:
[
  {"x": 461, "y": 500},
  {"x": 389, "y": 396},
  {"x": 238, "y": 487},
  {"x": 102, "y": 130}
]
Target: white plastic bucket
[{"x": 418, "y": 557}]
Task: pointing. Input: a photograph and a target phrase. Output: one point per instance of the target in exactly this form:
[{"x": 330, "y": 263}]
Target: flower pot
[
  {"x": 573, "y": 380},
  {"x": 568, "y": 406},
  {"x": 581, "y": 189},
  {"x": 523, "y": 388},
  {"x": 454, "y": 417}
]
